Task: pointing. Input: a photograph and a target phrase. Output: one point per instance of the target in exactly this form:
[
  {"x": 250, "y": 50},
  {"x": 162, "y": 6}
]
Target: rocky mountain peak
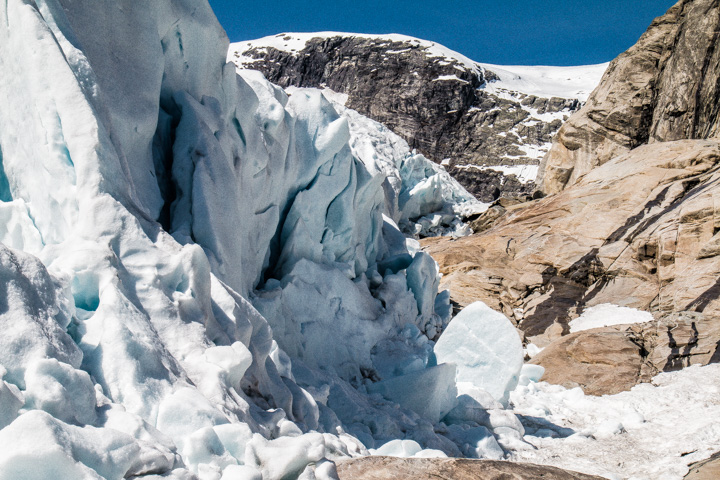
[
  {"x": 490, "y": 125},
  {"x": 666, "y": 87},
  {"x": 630, "y": 219}
]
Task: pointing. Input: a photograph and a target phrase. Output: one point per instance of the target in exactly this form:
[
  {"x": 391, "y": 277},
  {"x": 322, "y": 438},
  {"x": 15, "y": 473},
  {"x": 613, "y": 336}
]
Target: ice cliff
[{"x": 199, "y": 278}]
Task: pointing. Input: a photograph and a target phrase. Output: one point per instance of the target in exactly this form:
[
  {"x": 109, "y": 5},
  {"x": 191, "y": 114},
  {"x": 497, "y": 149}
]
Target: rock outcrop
[
  {"x": 391, "y": 468},
  {"x": 442, "y": 104},
  {"x": 633, "y": 219},
  {"x": 666, "y": 87},
  {"x": 601, "y": 361},
  {"x": 613, "y": 359},
  {"x": 640, "y": 231},
  {"x": 706, "y": 470}
]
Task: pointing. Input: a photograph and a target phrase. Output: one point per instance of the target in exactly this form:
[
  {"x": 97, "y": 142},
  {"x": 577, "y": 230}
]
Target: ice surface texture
[
  {"x": 485, "y": 347},
  {"x": 197, "y": 273}
]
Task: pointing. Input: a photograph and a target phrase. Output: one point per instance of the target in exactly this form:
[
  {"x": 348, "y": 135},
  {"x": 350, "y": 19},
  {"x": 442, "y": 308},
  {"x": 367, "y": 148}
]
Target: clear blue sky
[{"x": 520, "y": 32}]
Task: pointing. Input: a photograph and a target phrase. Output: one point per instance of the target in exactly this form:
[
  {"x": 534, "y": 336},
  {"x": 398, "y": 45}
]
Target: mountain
[
  {"x": 204, "y": 276},
  {"x": 664, "y": 88},
  {"x": 631, "y": 218},
  {"x": 484, "y": 122}
]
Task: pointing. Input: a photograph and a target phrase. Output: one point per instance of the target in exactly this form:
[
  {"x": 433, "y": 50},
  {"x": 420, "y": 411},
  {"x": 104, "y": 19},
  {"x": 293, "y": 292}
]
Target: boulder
[
  {"x": 391, "y": 468},
  {"x": 600, "y": 361},
  {"x": 608, "y": 360}
]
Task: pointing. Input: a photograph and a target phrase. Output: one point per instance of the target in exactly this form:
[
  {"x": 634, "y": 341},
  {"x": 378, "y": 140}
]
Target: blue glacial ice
[{"x": 200, "y": 277}]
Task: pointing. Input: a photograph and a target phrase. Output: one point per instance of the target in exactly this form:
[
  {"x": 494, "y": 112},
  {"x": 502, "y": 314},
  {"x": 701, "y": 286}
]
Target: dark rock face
[
  {"x": 489, "y": 185},
  {"x": 435, "y": 103},
  {"x": 664, "y": 88}
]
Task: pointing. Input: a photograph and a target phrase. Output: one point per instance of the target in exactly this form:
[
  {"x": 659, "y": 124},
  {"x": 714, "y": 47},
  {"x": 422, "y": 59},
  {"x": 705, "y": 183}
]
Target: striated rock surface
[
  {"x": 633, "y": 219},
  {"x": 639, "y": 231},
  {"x": 706, "y": 470},
  {"x": 609, "y": 360},
  {"x": 391, "y": 468},
  {"x": 443, "y": 104},
  {"x": 601, "y": 361},
  {"x": 664, "y": 88}
]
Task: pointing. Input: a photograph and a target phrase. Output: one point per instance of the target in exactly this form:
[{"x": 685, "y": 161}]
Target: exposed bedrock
[
  {"x": 632, "y": 219},
  {"x": 382, "y": 468},
  {"x": 640, "y": 231},
  {"x": 666, "y": 87}
]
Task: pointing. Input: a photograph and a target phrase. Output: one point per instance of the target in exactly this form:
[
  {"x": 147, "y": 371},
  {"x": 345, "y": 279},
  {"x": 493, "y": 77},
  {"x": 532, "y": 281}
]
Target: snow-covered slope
[
  {"x": 546, "y": 81},
  {"x": 542, "y": 81},
  {"x": 652, "y": 432}
]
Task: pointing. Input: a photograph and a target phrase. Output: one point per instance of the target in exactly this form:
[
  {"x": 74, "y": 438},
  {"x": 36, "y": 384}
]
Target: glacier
[
  {"x": 420, "y": 195},
  {"x": 203, "y": 276}
]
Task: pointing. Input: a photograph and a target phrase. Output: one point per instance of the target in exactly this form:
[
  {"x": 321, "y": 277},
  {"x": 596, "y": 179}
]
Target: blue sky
[{"x": 520, "y": 32}]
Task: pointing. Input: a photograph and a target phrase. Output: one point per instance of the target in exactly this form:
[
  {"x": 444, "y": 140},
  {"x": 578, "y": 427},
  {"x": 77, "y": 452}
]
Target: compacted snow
[
  {"x": 652, "y": 432},
  {"x": 606, "y": 315},
  {"x": 546, "y": 81}
]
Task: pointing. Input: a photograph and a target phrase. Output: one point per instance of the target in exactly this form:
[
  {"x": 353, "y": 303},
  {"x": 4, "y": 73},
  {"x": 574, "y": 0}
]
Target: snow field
[{"x": 653, "y": 431}]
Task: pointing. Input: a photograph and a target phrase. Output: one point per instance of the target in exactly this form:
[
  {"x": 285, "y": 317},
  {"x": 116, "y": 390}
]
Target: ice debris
[
  {"x": 202, "y": 278},
  {"x": 486, "y": 348},
  {"x": 420, "y": 195}
]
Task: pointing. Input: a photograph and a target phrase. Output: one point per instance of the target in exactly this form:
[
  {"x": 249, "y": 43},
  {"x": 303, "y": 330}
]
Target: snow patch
[
  {"x": 607, "y": 315},
  {"x": 546, "y": 81},
  {"x": 653, "y": 431}
]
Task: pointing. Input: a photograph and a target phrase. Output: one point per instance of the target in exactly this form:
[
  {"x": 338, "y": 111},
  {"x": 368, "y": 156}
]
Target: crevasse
[{"x": 197, "y": 272}]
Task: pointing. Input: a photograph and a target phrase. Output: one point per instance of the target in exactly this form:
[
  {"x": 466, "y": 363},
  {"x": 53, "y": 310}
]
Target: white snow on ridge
[
  {"x": 547, "y": 81},
  {"x": 542, "y": 81},
  {"x": 293, "y": 42}
]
